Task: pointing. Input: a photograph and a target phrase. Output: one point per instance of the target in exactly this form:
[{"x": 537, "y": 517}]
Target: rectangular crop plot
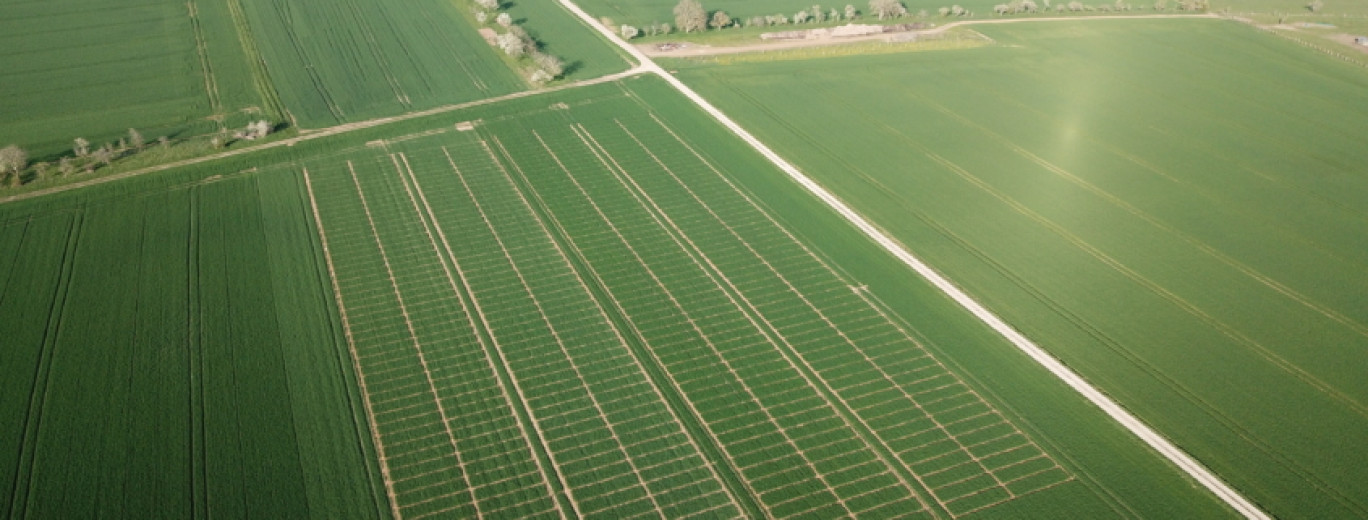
[
  {"x": 350, "y": 60},
  {"x": 591, "y": 301}
]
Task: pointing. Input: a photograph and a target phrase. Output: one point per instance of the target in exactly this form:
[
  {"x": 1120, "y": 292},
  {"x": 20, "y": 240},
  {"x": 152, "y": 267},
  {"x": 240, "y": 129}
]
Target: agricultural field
[
  {"x": 346, "y": 61},
  {"x": 587, "y": 54},
  {"x": 643, "y": 337},
  {"x": 590, "y": 303},
  {"x": 95, "y": 69},
  {"x": 1173, "y": 208},
  {"x": 172, "y": 352}
]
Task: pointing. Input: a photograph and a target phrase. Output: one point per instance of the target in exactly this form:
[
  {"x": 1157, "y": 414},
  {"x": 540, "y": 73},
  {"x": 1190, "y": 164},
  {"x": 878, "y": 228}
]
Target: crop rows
[
  {"x": 646, "y": 341},
  {"x": 357, "y": 59}
]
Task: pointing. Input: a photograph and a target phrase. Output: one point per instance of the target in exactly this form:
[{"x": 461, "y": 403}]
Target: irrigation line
[{"x": 1144, "y": 432}]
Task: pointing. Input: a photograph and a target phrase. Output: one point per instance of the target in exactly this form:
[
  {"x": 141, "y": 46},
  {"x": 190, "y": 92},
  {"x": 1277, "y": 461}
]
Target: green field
[
  {"x": 1173, "y": 208},
  {"x": 586, "y": 53},
  {"x": 594, "y": 303},
  {"x": 334, "y": 62},
  {"x": 171, "y": 352},
  {"x": 94, "y": 69}
]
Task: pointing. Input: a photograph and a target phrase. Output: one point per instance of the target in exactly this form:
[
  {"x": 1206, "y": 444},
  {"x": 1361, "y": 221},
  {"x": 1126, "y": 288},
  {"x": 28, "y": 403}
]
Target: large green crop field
[
  {"x": 172, "y": 352},
  {"x": 94, "y": 69},
  {"x": 593, "y": 303},
  {"x": 1174, "y": 208}
]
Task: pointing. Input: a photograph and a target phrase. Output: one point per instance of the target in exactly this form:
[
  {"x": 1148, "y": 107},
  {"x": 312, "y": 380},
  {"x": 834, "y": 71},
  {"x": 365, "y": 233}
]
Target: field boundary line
[
  {"x": 464, "y": 291},
  {"x": 725, "y": 483},
  {"x": 560, "y": 343},
  {"x": 322, "y": 133},
  {"x": 1139, "y": 428},
  {"x": 351, "y": 348},
  {"x": 814, "y": 380},
  {"x": 693, "y": 323}
]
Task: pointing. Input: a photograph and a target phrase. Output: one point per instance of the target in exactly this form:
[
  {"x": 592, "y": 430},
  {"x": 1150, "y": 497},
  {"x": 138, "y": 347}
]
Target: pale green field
[{"x": 1174, "y": 208}]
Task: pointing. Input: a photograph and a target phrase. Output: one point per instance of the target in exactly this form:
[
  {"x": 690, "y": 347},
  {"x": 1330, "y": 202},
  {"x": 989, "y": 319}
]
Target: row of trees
[
  {"x": 1029, "y": 6},
  {"x": 87, "y": 158},
  {"x": 690, "y": 16},
  {"x": 518, "y": 44}
]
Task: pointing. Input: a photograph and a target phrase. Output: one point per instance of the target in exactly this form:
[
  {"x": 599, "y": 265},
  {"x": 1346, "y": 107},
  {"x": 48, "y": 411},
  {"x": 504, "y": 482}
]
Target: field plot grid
[{"x": 588, "y": 319}]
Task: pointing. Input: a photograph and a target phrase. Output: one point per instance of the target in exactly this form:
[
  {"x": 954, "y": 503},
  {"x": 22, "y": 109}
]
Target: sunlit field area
[
  {"x": 577, "y": 305},
  {"x": 1174, "y": 208}
]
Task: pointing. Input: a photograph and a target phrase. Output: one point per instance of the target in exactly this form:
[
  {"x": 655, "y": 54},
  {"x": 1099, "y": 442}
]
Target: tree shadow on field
[{"x": 571, "y": 67}]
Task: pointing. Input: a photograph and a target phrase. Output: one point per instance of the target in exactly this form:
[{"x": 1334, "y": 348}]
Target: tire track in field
[
  {"x": 202, "y": 48},
  {"x": 23, "y": 471},
  {"x": 1084, "y": 325},
  {"x": 1226, "y": 329}
]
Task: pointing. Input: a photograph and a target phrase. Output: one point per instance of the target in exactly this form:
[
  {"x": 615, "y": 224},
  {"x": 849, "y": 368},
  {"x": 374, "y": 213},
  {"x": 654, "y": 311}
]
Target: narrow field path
[{"x": 1133, "y": 424}]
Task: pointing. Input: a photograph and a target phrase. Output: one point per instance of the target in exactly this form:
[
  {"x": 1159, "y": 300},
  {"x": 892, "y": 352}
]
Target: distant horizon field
[
  {"x": 547, "y": 286},
  {"x": 641, "y": 12},
  {"x": 1173, "y": 208}
]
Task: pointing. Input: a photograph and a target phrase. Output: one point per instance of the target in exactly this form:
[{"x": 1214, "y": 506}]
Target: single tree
[
  {"x": 800, "y": 17},
  {"x": 482, "y": 17},
  {"x": 1159, "y": 5},
  {"x": 665, "y": 28},
  {"x": 81, "y": 147},
  {"x": 690, "y": 16},
  {"x": 957, "y": 10},
  {"x": 628, "y": 32},
  {"x": 548, "y": 63},
  {"x": 164, "y": 141},
  {"x": 504, "y": 19},
  {"x": 488, "y": 5},
  {"x": 720, "y": 20},
  {"x": 1000, "y": 9},
  {"x": 65, "y": 166},
  {"x": 510, "y": 44},
  {"x": 105, "y": 156},
  {"x": 944, "y": 11},
  {"x": 122, "y": 146},
  {"x": 834, "y": 15},
  {"x": 850, "y": 12},
  {"x": 886, "y": 8},
  {"x": 818, "y": 16},
  {"x": 1315, "y": 6},
  {"x": 42, "y": 169},
  {"x": 13, "y": 159},
  {"x": 539, "y": 77},
  {"x": 136, "y": 139}
]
